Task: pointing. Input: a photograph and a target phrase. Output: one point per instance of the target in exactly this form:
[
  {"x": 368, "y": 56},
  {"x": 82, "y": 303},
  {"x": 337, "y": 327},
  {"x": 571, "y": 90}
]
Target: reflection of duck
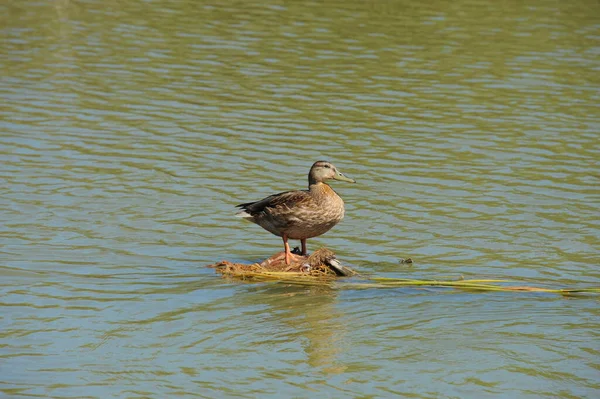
[{"x": 300, "y": 214}]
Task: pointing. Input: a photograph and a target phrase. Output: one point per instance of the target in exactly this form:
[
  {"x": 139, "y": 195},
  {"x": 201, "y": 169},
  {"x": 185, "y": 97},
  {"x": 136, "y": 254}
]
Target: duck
[{"x": 300, "y": 214}]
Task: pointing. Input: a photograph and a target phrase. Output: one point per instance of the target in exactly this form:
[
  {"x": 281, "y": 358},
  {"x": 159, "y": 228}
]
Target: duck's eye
[{"x": 327, "y": 166}]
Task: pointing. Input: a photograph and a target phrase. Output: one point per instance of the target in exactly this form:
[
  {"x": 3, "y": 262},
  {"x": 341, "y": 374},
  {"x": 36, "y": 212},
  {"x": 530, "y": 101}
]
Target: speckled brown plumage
[{"x": 300, "y": 214}]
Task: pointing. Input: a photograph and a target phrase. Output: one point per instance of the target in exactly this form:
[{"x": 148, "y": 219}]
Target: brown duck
[{"x": 300, "y": 214}]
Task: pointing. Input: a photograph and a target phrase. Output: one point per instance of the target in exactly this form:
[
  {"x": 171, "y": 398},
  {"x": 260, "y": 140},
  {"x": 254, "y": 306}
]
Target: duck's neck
[{"x": 320, "y": 189}]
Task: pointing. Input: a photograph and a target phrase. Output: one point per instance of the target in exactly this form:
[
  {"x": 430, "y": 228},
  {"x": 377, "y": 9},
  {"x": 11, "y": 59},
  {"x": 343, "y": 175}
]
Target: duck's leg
[
  {"x": 286, "y": 246},
  {"x": 303, "y": 241}
]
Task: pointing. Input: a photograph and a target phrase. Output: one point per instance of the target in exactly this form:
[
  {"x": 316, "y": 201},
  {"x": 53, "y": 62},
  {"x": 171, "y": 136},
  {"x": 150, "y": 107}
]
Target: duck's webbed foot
[{"x": 280, "y": 257}]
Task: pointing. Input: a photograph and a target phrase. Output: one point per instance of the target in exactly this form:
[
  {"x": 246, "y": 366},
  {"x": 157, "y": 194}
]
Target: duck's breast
[{"x": 318, "y": 217}]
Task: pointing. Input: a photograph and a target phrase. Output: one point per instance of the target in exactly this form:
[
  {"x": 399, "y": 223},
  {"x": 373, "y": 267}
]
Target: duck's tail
[{"x": 243, "y": 214}]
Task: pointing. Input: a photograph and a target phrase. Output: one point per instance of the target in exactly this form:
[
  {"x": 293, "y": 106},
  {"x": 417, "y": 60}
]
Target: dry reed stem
[{"x": 319, "y": 273}]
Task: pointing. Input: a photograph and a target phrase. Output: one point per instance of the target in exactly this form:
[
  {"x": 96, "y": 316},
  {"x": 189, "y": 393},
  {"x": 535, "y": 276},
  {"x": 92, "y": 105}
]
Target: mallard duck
[{"x": 300, "y": 214}]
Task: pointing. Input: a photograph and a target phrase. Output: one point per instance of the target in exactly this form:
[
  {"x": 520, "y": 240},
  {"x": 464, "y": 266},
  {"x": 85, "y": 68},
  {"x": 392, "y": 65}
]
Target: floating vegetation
[
  {"x": 466, "y": 285},
  {"x": 323, "y": 269},
  {"x": 320, "y": 266}
]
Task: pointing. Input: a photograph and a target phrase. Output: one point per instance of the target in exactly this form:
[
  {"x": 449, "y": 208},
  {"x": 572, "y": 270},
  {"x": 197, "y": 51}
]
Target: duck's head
[{"x": 323, "y": 170}]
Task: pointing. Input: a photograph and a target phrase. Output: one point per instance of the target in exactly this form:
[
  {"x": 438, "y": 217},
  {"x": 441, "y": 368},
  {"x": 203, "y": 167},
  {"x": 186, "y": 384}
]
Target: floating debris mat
[
  {"x": 323, "y": 269},
  {"x": 320, "y": 265}
]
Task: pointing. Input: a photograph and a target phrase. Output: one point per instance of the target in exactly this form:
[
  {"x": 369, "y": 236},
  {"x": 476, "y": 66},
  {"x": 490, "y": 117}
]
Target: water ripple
[{"x": 130, "y": 132}]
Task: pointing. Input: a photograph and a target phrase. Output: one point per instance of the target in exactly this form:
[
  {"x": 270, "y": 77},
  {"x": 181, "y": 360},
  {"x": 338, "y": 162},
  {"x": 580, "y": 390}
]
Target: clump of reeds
[
  {"x": 321, "y": 266},
  {"x": 323, "y": 269}
]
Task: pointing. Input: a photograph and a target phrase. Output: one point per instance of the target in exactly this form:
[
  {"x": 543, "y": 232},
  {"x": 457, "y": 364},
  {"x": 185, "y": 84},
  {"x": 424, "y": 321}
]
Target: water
[{"x": 131, "y": 129}]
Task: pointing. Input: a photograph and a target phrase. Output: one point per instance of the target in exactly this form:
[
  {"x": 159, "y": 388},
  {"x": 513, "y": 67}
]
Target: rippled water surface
[{"x": 131, "y": 129}]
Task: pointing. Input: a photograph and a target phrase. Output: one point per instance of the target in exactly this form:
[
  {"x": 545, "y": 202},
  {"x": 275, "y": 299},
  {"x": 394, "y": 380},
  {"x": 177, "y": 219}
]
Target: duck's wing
[{"x": 277, "y": 202}]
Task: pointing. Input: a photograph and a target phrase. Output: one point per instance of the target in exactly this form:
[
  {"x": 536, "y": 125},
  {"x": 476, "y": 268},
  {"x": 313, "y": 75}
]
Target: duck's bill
[{"x": 341, "y": 177}]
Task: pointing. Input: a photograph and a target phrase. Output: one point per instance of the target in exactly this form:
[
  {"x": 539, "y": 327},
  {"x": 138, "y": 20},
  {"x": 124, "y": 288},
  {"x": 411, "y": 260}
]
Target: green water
[{"x": 130, "y": 130}]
